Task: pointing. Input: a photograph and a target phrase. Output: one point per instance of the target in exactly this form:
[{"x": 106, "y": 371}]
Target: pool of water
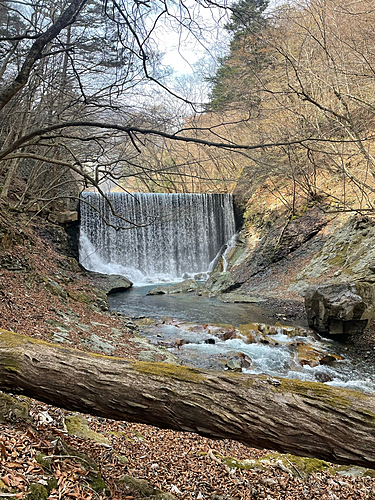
[{"x": 188, "y": 307}]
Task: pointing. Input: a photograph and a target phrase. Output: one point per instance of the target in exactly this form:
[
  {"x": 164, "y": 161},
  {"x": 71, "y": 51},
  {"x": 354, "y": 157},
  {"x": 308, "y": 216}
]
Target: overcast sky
[{"x": 184, "y": 48}]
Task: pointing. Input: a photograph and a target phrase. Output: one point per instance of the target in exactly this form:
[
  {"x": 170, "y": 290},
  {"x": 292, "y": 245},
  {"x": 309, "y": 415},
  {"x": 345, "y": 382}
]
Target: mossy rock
[
  {"x": 80, "y": 297},
  {"x": 77, "y": 425},
  {"x": 145, "y": 489},
  {"x": 219, "y": 282},
  {"x": 44, "y": 461},
  {"x": 233, "y": 463},
  {"x": 40, "y": 491},
  {"x": 97, "y": 483},
  {"x": 122, "y": 459},
  {"x": 12, "y": 407},
  {"x": 141, "y": 486},
  {"x": 354, "y": 471},
  {"x": 54, "y": 288},
  {"x": 299, "y": 466}
]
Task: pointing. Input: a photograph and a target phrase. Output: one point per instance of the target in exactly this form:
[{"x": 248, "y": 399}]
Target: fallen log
[{"x": 290, "y": 416}]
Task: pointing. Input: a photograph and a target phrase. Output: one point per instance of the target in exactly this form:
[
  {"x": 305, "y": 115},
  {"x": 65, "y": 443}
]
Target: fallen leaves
[{"x": 186, "y": 465}]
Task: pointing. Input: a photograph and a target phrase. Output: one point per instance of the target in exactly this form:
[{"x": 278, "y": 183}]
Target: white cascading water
[{"x": 175, "y": 235}]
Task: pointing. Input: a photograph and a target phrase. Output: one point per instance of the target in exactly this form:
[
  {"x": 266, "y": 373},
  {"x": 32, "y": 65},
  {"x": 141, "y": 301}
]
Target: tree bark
[{"x": 308, "y": 419}]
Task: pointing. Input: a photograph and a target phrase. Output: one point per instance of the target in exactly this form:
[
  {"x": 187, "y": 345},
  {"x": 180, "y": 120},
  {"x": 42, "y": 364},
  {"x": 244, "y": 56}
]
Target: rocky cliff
[{"x": 283, "y": 256}]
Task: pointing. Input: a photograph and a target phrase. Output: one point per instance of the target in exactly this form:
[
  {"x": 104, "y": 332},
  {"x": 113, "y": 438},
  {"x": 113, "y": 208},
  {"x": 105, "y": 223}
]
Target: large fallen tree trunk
[{"x": 308, "y": 419}]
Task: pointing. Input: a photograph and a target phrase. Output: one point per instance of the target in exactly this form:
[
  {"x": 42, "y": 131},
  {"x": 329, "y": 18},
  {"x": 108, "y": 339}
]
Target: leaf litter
[{"x": 185, "y": 465}]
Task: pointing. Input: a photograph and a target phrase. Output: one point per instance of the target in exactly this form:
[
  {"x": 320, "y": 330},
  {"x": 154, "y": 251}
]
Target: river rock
[
  {"x": 189, "y": 285},
  {"x": 330, "y": 359},
  {"x": 230, "y": 334},
  {"x": 251, "y": 337},
  {"x": 243, "y": 359},
  {"x": 307, "y": 355},
  {"x": 234, "y": 365},
  {"x": 340, "y": 309},
  {"x": 322, "y": 377},
  {"x": 110, "y": 283}
]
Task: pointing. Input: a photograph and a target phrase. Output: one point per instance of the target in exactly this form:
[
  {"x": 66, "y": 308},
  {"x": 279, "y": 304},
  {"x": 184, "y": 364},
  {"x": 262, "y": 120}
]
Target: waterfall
[{"x": 176, "y": 235}]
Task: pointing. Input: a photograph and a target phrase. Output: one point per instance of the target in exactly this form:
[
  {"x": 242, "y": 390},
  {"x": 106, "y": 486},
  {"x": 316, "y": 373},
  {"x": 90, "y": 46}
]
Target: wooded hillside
[
  {"x": 299, "y": 80},
  {"x": 291, "y": 102}
]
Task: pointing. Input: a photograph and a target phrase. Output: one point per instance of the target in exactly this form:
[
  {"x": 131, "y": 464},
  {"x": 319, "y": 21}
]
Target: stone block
[
  {"x": 340, "y": 308},
  {"x": 63, "y": 217}
]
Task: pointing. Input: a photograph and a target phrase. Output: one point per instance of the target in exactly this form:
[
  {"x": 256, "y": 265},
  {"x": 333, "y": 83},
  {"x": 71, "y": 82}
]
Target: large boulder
[
  {"x": 340, "y": 308},
  {"x": 110, "y": 283},
  {"x": 219, "y": 282}
]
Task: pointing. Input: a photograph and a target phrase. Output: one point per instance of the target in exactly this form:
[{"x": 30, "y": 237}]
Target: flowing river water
[{"x": 207, "y": 333}]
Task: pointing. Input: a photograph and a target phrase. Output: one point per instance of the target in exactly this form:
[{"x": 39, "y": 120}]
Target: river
[{"x": 185, "y": 325}]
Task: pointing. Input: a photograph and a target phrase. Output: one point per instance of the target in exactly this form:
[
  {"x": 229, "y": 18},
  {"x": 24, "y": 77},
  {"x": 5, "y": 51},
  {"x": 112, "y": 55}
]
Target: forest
[{"x": 290, "y": 101}]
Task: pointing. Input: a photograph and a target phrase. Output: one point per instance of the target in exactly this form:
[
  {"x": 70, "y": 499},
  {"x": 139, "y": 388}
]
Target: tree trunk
[
  {"x": 308, "y": 419},
  {"x": 10, "y": 173}
]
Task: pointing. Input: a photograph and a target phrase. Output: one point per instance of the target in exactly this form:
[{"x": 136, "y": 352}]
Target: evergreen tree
[
  {"x": 247, "y": 17},
  {"x": 232, "y": 81}
]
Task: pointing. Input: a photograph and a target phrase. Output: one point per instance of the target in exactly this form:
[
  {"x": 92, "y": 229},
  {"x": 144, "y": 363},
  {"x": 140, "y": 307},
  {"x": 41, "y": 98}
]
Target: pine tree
[{"x": 232, "y": 81}]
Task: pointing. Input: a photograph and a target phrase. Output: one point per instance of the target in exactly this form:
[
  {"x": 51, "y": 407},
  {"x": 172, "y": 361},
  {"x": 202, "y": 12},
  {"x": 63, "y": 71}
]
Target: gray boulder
[
  {"x": 340, "y": 308},
  {"x": 189, "y": 285},
  {"x": 110, "y": 283},
  {"x": 219, "y": 282}
]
